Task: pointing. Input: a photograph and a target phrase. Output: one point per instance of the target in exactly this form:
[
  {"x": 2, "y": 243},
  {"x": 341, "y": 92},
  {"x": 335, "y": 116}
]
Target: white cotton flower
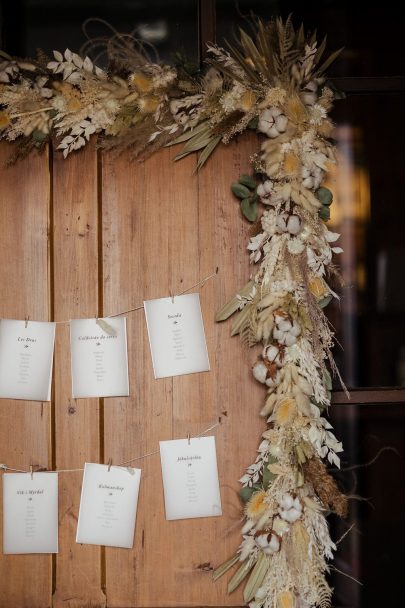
[
  {"x": 269, "y": 542},
  {"x": 273, "y": 354},
  {"x": 260, "y": 371},
  {"x": 290, "y": 508},
  {"x": 264, "y": 191},
  {"x": 309, "y": 94},
  {"x": 312, "y": 177},
  {"x": 272, "y": 122},
  {"x": 286, "y": 330},
  {"x": 290, "y": 223}
]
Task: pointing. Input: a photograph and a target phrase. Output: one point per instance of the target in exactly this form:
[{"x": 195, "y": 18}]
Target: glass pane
[
  {"x": 372, "y": 552},
  {"x": 369, "y": 212},
  {"x": 168, "y": 25},
  {"x": 371, "y": 33}
]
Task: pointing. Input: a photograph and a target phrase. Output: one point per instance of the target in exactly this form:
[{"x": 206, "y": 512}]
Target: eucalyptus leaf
[
  {"x": 323, "y": 302},
  {"x": 256, "y": 578},
  {"x": 324, "y": 213},
  {"x": 327, "y": 380},
  {"x": 268, "y": 476},
  {"x": 223, "y": 568},
  {"x": 324, "y": 196},
  {"x": 240, "y": 190},
  {"x": 249, "y": 209},
  {"x": 233, "y": 305},
  {"x": 248, "y": 181},
  {"x": 247, "y": 492},
  {"x": 240, "y": 575}
]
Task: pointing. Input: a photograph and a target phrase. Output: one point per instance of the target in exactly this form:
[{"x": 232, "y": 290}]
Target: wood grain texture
[
  {"x": 164, "y": 229},
  {"x": 25, "y": 580},
  {"x": 77, "y": 440}
]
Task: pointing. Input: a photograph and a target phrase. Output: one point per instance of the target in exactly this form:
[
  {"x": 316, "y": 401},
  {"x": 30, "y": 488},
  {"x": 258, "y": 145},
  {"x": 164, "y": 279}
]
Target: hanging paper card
[
  {"x": 30, "y": 513},
  {"x": 190, "y": 478},
  {"x": 99, "y": 358},
  {"x": 26, "y": 355},
  {"x": 176, "y": 335},
  {"x": 108, "y": 506}
]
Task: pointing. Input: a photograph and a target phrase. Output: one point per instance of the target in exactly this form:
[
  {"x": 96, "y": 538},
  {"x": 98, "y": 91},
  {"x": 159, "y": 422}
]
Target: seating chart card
[
  {"x": 176, "y": 335},
  {"x": 108, "y": 506},
  {"x": 190, "y": 478},
  {"x": 30, "y": 513},
  {"x": 99, "y": 360},
  {"x": 26, "y": 356}
]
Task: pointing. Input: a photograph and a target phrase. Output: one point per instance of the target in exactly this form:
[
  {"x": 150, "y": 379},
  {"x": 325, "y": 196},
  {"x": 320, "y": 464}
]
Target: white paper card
[
  {"x": 26, "y": 355},
  {"x": 190, "y": 478},
  {"x": 30, "y": 513},
  {"x": 99, "y": 360},
  {"x": 108, "y": 506},
  {"x": 176, "y": 335}
]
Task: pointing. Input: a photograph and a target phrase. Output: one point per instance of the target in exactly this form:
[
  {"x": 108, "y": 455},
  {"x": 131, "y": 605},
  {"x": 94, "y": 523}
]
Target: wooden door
[{"x": 96, "y": 235}]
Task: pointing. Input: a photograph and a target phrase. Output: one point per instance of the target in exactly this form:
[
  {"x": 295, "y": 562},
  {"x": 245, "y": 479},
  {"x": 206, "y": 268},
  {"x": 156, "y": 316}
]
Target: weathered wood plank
[
  {"x": 26, "y": 580},
  {"x": 78, "y": 567},
  {"x": 164, "y": 228}
]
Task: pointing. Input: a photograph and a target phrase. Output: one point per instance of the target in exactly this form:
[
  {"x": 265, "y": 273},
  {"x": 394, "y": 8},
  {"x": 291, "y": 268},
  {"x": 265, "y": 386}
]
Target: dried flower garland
[{"x": 273, "y": 83}]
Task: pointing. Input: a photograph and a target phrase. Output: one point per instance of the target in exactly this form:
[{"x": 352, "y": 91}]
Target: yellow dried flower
[
  {"x": 292, "y": 164},
  {"x": 325, "y": 128},
  {"x": 318, "y": 287},
  {"x": 256, "y": 505},
  {"x": 73, "y": 104},
  {"x": 141, "y": 82},
  {"x": 247, "y": 100},
  {"x": 286, "y": 411},
  {"x": 4, "y": 120},
  {"x": 295, "y": 110},
  {"x": 274, "y": 97},
  {"x": 148, "y": 104},
  {"x": 285, "y": 600}
]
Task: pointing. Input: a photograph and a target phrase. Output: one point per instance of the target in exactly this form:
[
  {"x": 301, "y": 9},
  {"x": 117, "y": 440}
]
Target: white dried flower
[
  {"x": 295, "y": 246},
  {"x": 269, "y": 222},
  {"x": 318, "y": 114},
  {"x": 272, "y": 122}
]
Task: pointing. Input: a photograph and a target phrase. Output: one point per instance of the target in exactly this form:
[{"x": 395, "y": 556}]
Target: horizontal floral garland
[{"x": 273, "y": 83}]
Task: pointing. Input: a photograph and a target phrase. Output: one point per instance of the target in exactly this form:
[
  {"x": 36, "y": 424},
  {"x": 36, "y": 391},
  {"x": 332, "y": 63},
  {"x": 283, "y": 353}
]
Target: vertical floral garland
[{"x": 272, "y": 83}]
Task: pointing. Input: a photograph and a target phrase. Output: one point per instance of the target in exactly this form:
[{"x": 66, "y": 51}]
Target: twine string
[{"x": 4, "y": 467}]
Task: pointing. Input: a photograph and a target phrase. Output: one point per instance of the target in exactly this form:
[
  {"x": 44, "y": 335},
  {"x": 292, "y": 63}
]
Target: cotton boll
[
  {"x": 260, "y": 371},
  {"x": 272, "y": 353},
  {"x": 281, "y": 122},
  {"x": 282, "y": 222},
  {"x": 294, "y": 224},
  {"x": 274, "y": 543},
  {"x": 295, "y": 329},
  {"x": 264, "y": 190},
  {"x": 297, "y": 504},
  {"x": 287, "y": 501},
  {"x": 284, "y": 324},
  {"x": 278, "y": 334},
  {"x": 289, "y": 339},
  {"x": 293, "y": 515}
]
